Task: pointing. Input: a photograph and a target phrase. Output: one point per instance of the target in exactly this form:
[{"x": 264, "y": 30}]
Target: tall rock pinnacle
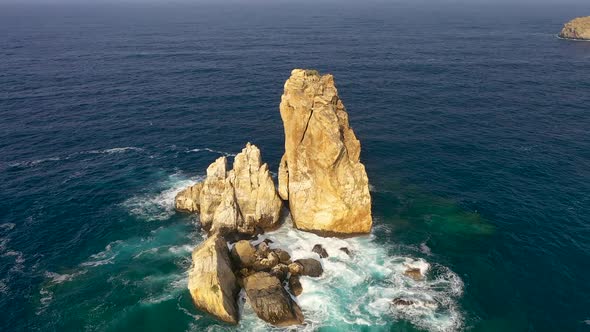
[{"x": 320, "y": 173}]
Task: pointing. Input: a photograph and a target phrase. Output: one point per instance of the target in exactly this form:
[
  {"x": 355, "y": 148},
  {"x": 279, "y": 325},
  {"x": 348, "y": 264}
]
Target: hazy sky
[{"x": 358, "y": 2}]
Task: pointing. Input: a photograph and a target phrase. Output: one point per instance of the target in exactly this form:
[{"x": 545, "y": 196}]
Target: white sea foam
[
  {"x": 57, "y": 278},
  {"x": 425, "y": 249},
  {"x": 159, "y": 206},
  {"x": 227, "y": 154},
  {"x": 358, "y": 290},
  {"x": 29, "y": 163},
  {"x": 7, "y": 226},
  {"x": 107, "y": 256},
  {"x": 181, "y": 250},
  {"x": 572, "y": 39},
  {"x": 46, "y": 296},
  {"x": 115, "y": 150}
]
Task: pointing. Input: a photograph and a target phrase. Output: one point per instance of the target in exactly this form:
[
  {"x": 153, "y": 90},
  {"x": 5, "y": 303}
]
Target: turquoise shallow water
[{"x": 475, "y": 131}]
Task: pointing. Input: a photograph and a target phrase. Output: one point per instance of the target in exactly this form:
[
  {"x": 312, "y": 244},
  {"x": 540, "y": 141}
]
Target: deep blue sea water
[{"x": 474, "y": 121}]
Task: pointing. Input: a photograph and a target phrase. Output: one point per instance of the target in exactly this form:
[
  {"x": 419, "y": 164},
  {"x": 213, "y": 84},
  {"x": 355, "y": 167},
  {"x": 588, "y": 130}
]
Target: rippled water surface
[{"x": 474, "y": 122}]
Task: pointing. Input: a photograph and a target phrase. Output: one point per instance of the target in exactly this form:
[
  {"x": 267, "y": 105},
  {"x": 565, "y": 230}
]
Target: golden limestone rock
[
  {"x": 241, "y": 200},
  {"x": 578, "y": 28},
  {"x": 320, "y": 173},
  {"x": 212, "y": 284},
  {"x": 212, "y": 191},
  {"x": 255, "y": 190},
  {"x": 270, "y": 301},
  {"x": 189, "y": 200}
]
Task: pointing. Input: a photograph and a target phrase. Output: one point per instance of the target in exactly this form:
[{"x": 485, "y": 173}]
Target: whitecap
[
  {"x": 425, "y": 249},
  {"x": 19, "y": 258},
  {"x": 7, "y": 226},
  {"x": 57, "y": 278},
  {"x": 45, "y": 299},
  {"x": 188, "y": 313},
  {"x": 223, "y": 153},
  {"x": 115, "y": 150},
  {"x": 30, "y": 163},
  {"x": 181, "y": 250},
  {"x": 46, "y": 296},
  {"x": 107, "y": 256}
]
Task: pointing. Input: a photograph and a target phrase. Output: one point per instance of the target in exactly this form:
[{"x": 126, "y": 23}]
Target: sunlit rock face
[
  {"x": 241, "y": 200},
  {"x": 212, "y": 283},
  {"x": 320, "y": 173},
  {"x": 578, "y": 28},
  {"x": 189, "y": 200}
]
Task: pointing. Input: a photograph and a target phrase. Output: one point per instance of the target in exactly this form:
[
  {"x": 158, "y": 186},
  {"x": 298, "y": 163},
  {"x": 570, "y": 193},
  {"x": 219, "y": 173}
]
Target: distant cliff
[{"x": 578, "y": 28}]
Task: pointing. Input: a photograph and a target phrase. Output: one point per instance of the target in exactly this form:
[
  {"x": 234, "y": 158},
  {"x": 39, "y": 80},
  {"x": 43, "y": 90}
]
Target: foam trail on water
[
  {"x": 31, "y": 163},
  {"x": 227, "y": 154},
  {"x": 115, "y": 150}
]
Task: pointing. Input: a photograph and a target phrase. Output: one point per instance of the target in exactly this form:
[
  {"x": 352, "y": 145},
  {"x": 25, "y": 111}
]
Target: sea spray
[{"x": 160, "y": 206}]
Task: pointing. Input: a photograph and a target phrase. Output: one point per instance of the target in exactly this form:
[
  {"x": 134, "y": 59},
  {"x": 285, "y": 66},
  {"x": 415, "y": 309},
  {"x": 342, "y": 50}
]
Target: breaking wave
[
  {"x": 159, "y": 206},
  {"x": 357, "y": 291}
]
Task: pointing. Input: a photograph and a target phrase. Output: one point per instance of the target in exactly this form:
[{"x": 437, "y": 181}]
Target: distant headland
[{"x": 577, "y": 29}]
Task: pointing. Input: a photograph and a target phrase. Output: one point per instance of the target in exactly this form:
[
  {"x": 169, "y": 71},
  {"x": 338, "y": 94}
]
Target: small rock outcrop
[
  {"x": 578, "y": 28},
  {"x": 346, "y": 251},
  {"x": 270, "y": 300},
  {"x": 189, "y": 200},
  {"x": 320, "y": 173},
  {"x": 414, "y": 273},
  {"x": 212, "y": 283},
  {"x": 241, "y": 200},
  {"x": 318, "y": 249},
  {"x": 311, "y": 267}
]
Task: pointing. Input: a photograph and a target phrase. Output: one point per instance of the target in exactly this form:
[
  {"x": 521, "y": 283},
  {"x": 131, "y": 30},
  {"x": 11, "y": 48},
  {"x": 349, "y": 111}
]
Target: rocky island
[
  {"x": 578, "y": 29},
  {"x": 322, "y": 185}
]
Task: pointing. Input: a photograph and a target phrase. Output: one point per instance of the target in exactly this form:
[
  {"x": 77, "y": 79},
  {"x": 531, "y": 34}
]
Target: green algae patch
[{"x": 407, "y": 208}]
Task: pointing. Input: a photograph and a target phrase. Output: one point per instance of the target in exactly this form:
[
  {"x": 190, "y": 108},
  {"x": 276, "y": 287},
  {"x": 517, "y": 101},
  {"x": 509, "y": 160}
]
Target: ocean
[{"x": 474, "y": 120}]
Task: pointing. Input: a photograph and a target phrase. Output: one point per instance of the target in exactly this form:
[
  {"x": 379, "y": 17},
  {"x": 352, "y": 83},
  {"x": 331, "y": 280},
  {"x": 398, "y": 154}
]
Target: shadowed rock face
[
  {"x": 578, "y": 28},
  {"x": 212, "y": 283},
  {"x": 320, "y": 173},
  {"x": 270, "y": 300}
]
